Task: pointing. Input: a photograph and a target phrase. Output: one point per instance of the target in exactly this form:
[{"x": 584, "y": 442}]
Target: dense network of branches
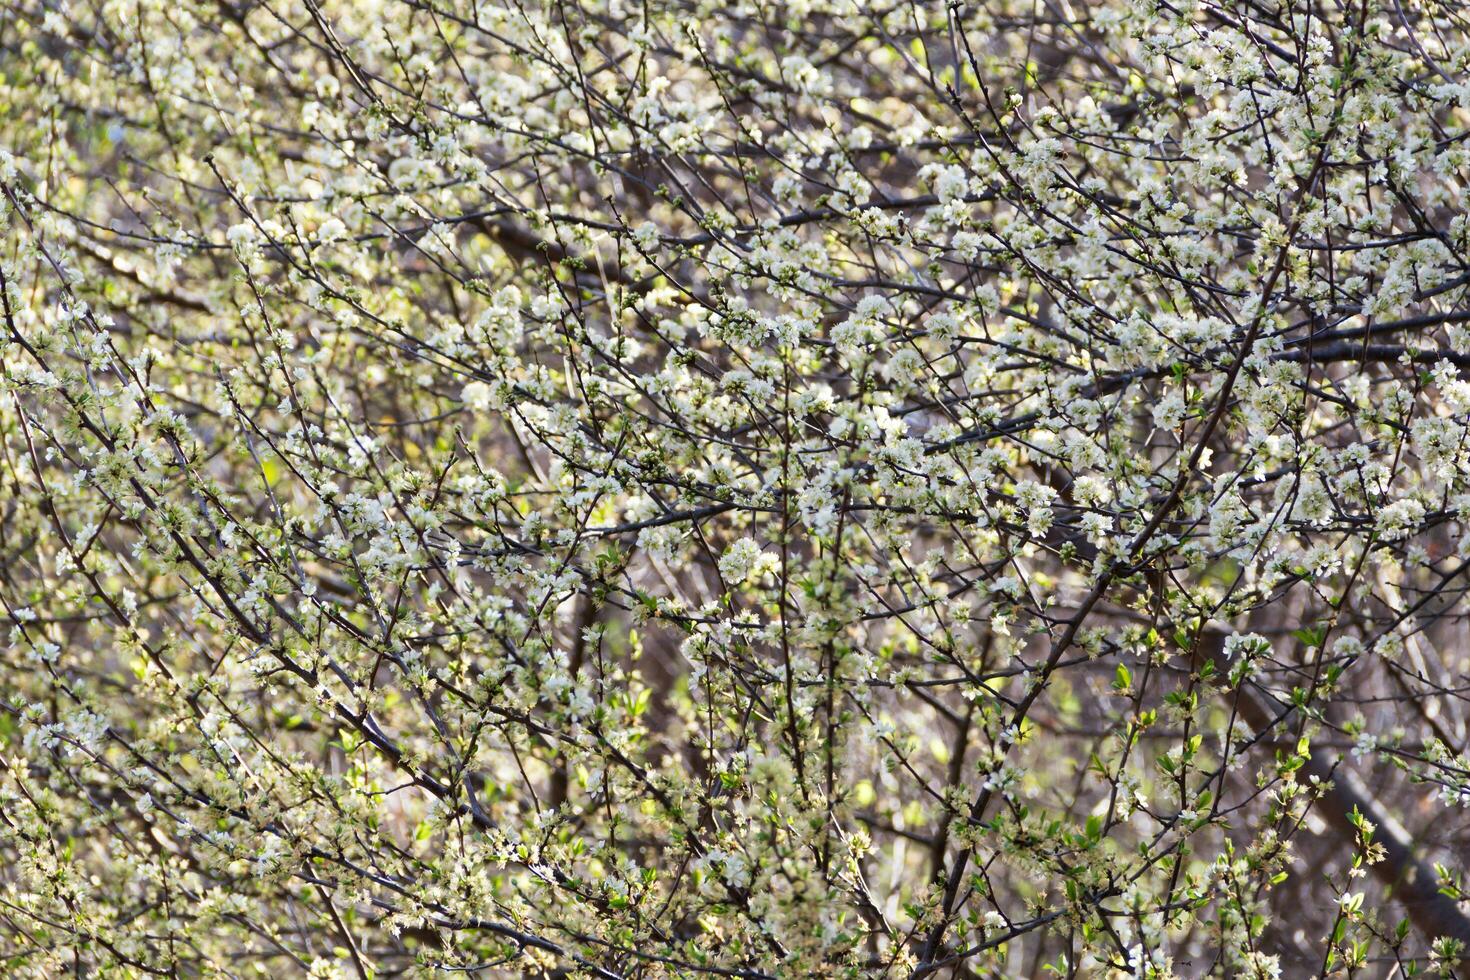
[{"x": 641, "y": 488}]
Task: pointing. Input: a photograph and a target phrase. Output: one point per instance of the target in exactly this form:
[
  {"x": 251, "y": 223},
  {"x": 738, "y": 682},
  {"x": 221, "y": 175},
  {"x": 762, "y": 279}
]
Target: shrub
[{"x": 655, "y": 489}]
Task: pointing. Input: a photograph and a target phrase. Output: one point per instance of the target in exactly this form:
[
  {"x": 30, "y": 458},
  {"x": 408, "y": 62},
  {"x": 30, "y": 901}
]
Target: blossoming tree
[{"x": 635, "y": 488}]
